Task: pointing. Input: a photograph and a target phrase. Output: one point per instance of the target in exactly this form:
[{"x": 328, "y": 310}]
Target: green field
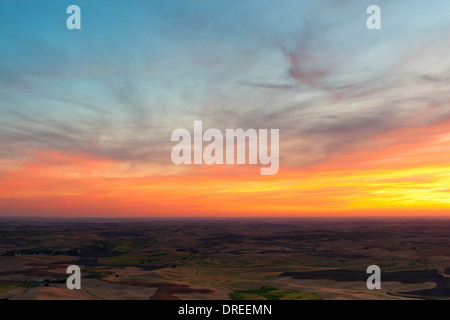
[{"x": 271, "y": 293}]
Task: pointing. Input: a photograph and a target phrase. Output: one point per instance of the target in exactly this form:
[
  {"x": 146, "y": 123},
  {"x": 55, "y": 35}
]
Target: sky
[{"x": 86, "y": 115}]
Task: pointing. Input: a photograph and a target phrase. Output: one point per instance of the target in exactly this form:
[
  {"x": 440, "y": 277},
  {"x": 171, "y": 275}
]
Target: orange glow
[{"x": 409, "y": 177}]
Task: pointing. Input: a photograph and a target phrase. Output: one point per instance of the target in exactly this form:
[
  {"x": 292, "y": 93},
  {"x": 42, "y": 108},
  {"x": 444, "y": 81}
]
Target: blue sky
[
  {"x": 86, "y": 115},
  {"x": 139, "y": 69}
]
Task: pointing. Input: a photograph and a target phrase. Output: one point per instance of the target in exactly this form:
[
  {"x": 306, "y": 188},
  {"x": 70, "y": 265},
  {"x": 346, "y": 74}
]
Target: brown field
[{"x": 224, "y": 259}]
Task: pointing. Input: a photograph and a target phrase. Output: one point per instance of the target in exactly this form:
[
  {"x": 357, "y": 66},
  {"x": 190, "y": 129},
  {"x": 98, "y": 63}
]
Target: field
[{"x": 273, "y": 259}]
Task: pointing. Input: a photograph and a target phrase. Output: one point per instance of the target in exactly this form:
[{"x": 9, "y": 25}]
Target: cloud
[
  {"x": 121, "y": 103},
  {"x": 269, "y": 85}
]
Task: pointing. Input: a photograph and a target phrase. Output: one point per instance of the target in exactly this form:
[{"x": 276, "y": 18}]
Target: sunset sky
[{"x": 86, "y": 115}]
